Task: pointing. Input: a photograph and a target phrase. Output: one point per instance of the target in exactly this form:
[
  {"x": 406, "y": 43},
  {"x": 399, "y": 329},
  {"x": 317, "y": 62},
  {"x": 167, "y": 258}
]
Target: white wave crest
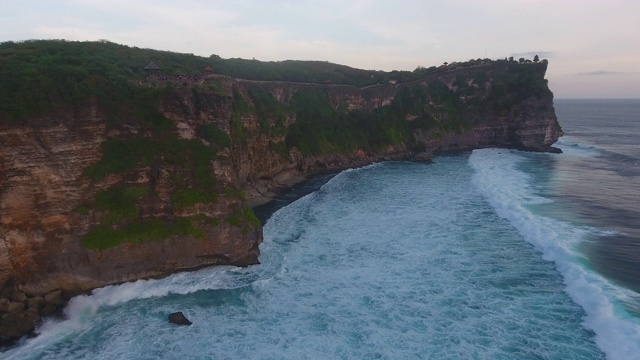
[
  {"x": 574, "y": 148},
  {"x": 509, "y": 190}
]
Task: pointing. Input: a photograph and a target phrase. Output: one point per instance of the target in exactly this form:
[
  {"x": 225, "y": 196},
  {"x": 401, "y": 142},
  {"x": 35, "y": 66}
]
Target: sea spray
[{"x": 79, "y": 314}]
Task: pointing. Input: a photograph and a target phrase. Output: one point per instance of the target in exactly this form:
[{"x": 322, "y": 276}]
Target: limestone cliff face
[
  {"x": 43, "y": 185},
  {"x": 522, "y": 120},
  {"x": 50, "y": 204},
  {"x": 41, "y": 182},
  {"x": 530, "y": 126}
]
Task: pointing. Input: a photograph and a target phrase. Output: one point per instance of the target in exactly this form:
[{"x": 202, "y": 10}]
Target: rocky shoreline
[
  {"x": 286, "y": 195},
  {"x": 19, "y": 312},
  {"x": 71, "y": 219}
]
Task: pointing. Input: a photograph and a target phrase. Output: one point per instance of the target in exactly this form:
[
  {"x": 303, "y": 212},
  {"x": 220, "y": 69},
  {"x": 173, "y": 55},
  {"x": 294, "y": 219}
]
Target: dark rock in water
[
  {"x": 423, "y": 157},
  {"x": 555, "y": 150},
  {"x": 178, "y": 318}
]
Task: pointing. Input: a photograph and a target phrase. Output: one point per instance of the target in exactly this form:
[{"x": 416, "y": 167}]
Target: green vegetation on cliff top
[{"x": 42, "y": 76}]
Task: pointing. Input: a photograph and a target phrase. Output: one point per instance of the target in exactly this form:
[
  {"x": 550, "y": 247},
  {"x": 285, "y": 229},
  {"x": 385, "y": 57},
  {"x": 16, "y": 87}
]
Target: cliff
[{"x": 100, "y": 192}]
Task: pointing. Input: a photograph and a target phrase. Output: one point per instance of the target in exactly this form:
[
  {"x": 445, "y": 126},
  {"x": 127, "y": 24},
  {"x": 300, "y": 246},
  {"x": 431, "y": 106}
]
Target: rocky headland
[{"x": 109, "y": 188}]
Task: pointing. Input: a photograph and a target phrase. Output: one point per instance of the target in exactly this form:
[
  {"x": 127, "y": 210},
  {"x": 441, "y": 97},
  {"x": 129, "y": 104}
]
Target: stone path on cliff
[{"x": 183, "y": 80}]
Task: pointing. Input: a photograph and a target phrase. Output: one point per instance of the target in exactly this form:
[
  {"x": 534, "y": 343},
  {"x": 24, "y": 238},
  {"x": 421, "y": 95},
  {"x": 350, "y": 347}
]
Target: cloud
[
  {"x": 531, "y": 54},
  {"x": 604, "y": 73}
]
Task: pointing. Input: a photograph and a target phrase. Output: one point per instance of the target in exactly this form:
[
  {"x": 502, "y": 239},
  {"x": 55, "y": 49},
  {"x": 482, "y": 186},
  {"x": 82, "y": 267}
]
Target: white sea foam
[
  {"x": 392, "y": 261},
  {"x": 508, "y": 190}
]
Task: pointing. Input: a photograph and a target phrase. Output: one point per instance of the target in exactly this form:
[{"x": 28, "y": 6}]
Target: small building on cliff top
[{"x": 152, "y": 67}]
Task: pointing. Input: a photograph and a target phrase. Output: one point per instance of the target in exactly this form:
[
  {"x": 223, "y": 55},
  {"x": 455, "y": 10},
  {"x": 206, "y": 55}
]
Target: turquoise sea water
[{"x": 494, "y": 254}]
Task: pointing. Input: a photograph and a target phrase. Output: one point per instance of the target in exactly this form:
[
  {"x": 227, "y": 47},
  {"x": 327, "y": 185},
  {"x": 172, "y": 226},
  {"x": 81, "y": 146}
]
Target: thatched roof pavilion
[{"x": 152, "y": 67}]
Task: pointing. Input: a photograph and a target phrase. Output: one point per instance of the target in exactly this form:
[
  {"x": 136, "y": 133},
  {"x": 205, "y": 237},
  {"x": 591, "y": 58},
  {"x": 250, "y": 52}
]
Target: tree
[
  {"x": 536, "y": 58},
  {"x": 521, "y": 60}
]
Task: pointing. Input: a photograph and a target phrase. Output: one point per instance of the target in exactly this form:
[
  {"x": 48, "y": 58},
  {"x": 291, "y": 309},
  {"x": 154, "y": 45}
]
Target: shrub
[
  {"x": 104, "y": 237},
  {"x": 244, "y": 218},
  {"x": 120, "y": 202},
  {"x": 184, "y": 198},
  {"x": 214, "y": 135}
]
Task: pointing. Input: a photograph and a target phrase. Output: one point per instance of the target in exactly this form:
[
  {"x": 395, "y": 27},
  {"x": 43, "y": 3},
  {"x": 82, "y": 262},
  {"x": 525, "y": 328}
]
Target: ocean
[{"x": 493, "y": 254}]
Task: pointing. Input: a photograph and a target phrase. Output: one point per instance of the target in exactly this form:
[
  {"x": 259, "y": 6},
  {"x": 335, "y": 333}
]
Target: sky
[{"x": 593, "y": 46}]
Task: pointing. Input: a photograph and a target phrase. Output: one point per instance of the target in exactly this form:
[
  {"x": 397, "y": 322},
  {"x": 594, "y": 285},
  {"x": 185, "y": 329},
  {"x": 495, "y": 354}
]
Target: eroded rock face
[
  {"x": 41, "y": 253},
  {"x": 42, "y": 260},
  {"x": 528, "y": 124},
  {"x": 41, "y": 182}
]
